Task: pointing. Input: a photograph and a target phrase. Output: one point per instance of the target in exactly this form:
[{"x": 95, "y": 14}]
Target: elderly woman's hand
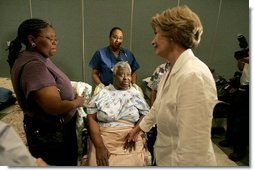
[
  {"x": 133, "y": 134},
  {"x": 129, "y": 145},
  {"x": 131, "y": 139},
  {"x": 102, "y": 156}
]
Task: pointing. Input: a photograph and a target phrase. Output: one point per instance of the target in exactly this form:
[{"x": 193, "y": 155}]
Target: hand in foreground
[
  {"x": 131, "y": 139},
  {"x": 41, "y": 162},
  {"x": 133, "y": 134},
  {"x": 80, "y": 100},
  {"x": 129, "y": 145},
  {"x": 102, "y": 156}
]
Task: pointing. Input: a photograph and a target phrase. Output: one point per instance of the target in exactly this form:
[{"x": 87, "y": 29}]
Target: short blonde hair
[
  {"x": 180, "y": 24},
  {"x": 121, "y": 64}
]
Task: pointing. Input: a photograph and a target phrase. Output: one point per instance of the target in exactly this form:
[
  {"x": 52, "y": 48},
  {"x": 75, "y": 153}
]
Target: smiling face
[
  {"x": 122, "y": 79},
  {"x": 46, "y": 42},
  {"x": 162, "y": 45}
]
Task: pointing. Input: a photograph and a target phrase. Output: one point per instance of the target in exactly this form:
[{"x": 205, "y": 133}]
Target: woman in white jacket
[{"x": 186, "y": 95}]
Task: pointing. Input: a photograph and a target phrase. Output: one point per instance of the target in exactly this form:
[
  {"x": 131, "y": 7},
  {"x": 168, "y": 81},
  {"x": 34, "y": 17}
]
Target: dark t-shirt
[{"x": 38, "y": 72}]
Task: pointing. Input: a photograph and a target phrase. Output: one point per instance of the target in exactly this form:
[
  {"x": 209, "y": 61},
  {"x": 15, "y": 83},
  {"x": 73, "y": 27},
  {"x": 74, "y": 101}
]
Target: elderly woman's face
[{"x": 122, "y": 79}]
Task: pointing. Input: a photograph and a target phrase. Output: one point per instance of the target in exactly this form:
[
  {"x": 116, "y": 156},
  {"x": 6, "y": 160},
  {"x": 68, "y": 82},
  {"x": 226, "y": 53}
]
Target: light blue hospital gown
[{"x": 112, "y": 105}]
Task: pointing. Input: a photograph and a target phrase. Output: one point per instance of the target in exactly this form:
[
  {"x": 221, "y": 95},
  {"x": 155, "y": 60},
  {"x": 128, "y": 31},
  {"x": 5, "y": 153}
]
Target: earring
[{"x": 33, "y": 44}]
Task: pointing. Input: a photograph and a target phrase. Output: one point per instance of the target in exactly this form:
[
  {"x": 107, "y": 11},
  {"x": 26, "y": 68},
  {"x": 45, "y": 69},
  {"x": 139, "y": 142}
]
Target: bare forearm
[
  {"x": 66, "y": 106},
  {"x": 96, "y": 77},
  {"x": 95, "y": 134},
  {"x": 50, "y": 101},
  {"x": 141, "y": 117}
]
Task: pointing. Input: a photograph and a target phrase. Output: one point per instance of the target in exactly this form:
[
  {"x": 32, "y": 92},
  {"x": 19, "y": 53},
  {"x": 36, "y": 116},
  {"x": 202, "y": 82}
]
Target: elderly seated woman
[{"x": 112, "y": 113}]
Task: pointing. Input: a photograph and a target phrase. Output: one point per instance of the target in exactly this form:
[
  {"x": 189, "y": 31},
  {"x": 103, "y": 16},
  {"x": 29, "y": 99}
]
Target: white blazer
[{"x": 183, "y": 112}]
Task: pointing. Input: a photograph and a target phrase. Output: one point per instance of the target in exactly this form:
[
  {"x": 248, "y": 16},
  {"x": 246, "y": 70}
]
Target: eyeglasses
[{"x": 52, "y": 40}]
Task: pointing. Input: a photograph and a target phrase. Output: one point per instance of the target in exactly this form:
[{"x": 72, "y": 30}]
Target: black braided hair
[{"x": 28, "y": 27}]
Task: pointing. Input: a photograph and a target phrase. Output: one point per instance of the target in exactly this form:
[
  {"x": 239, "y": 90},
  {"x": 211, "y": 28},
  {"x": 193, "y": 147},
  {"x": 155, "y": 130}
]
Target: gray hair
[
  {"x": 180, "y": 24},
  {"x": 121, "y": 64}
]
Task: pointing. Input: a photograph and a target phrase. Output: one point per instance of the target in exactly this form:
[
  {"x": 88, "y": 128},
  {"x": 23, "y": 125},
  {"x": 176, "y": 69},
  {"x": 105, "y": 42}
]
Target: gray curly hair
[{"x": 121, "y": 64}]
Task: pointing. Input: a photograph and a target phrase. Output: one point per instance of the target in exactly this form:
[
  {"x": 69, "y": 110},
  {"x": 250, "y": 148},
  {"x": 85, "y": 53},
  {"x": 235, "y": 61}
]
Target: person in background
[
  {"x": 186, "y": 96},
  {"x": 112, "y": 113},
  {"x": 153, "y": 85},
  {"x": 105, "y": 58},
  {"x": 155, "y": 79},
  {"x": 237, "y": 133},
  {"x": 13, "y": 151},
  {"x": 44, "y": 94}
]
